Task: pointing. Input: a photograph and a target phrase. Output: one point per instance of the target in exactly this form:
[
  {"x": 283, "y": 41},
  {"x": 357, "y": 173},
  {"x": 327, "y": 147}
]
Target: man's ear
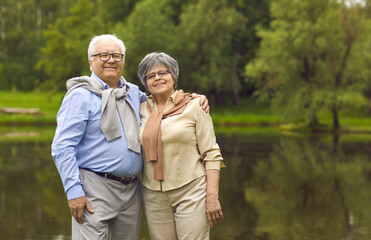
[{"x": 90, "y": 63}]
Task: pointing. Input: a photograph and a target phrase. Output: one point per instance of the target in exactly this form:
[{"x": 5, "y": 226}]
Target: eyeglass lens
[
  {"x": 160, "y": 74},
  {"x": 106, "y": 56}
]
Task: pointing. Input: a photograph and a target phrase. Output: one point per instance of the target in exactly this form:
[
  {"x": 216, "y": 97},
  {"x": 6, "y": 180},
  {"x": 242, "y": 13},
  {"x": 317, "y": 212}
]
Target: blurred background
[
  {"x": 289, "y": 84},
  {"x": 306, "y": 58}
]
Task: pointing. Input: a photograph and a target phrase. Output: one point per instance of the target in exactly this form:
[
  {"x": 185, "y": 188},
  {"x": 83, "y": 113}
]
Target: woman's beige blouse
[{"x": 189, "y": 146}]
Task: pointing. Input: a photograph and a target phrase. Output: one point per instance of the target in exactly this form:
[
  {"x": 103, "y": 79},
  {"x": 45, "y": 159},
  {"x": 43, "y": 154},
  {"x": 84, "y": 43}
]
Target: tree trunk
[
  {"x": 219, "y": 98},
  {"x": 335, "y": 117},
  {"x": 63, "y": 8},
  {"x": 236, "y": 97},
  {"x": 32, "y": 111},
  {"x": 39, "y": 20},
  {"x": 313, "y": 120},
  {"x": 351, "y": 34},
  {"x": 19, "y": 15},
  {"x": 334, "y": 108},
  {"x": 2, "y": 23}
]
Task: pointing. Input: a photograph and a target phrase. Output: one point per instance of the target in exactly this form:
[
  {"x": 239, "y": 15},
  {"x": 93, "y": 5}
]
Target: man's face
[{"x": 109, "y": 71}]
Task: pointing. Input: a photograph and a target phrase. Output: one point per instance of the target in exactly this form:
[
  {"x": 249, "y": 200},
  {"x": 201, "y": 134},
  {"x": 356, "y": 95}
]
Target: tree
[
  {"x": 208, "y": 60},
  {"x": 65, "y": 53},
  {"x": 115, "y": 11},
  {"x": 21, "y": 25},
  {"x": 307, "y": 57},
  {"x": 147, "y": 29},
  {"x": 343, "y": 54},
  {"x": 246, "y": 42}
]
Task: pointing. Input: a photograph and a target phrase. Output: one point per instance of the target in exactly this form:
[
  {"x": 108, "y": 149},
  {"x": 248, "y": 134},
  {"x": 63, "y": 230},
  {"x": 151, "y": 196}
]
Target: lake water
[{"x": 276, "y": 186}]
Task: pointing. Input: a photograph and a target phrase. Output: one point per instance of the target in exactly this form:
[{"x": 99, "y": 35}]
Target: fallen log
[{"x": 32, "y": 111}]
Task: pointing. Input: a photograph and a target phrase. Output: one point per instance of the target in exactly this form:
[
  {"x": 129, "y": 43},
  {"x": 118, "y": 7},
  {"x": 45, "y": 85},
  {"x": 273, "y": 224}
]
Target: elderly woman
[{"x": 182, "y": 158}]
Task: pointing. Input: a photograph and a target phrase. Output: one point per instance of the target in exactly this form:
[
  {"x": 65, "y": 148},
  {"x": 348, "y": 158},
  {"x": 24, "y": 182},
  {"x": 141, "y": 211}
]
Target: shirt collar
[
  {"x": 105, "y": 85},
  {"x": 152, "y": 100}
]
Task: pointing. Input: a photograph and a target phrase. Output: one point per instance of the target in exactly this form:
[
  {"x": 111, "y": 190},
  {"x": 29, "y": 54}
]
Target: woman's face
[{"x": 160, "y": 82}]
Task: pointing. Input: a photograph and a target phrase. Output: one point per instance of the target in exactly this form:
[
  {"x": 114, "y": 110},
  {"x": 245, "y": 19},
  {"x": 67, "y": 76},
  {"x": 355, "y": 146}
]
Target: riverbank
[{"x": 248, "y": 115}]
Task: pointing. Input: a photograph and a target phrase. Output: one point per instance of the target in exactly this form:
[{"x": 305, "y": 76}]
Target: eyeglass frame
[
  {"x": 156, "y": 74},
  {"x": 110, "y": 55}
]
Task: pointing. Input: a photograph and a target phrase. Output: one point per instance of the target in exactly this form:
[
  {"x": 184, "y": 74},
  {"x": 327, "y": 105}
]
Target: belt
[{"x": 123, "y": 180}]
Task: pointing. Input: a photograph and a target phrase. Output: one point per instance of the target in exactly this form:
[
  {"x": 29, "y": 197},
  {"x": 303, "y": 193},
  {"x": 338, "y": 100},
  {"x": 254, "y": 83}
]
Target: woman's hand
[{"x": 213, "y": 210}]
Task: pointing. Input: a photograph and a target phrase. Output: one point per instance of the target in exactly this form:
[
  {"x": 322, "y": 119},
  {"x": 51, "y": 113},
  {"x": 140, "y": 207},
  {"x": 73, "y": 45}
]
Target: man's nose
[{"x": 110, "y": 59}]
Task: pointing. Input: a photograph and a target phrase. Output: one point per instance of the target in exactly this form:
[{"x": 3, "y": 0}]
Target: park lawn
[
  {"x": 47, "y": 104},
  {"x": 250, "y": 114}
]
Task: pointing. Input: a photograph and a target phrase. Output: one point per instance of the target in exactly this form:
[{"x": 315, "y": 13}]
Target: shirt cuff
[
  {"x": 75, "y": 192},
  {"x": 216, "y": 165}
]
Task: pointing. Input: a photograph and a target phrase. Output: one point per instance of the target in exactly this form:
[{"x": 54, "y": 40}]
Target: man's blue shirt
[{"x": 79, "y": 141}]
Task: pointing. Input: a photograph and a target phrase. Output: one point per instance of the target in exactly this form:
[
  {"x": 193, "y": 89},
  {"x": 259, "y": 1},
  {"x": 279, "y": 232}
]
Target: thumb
[{"x": 89, "y": 208}]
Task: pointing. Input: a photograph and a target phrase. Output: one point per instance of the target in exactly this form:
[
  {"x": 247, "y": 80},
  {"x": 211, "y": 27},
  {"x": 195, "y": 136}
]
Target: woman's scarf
[{"x": 152, "y": 140}]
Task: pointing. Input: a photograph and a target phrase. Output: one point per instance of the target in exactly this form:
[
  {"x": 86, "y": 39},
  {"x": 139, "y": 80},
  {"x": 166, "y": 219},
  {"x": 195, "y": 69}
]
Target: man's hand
[
  {"x": 203, "y": 101},
  {"x": 77, "y": 207}
]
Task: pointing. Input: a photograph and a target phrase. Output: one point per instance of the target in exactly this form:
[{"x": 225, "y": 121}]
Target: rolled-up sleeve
[{"x": 206, "y": 140}]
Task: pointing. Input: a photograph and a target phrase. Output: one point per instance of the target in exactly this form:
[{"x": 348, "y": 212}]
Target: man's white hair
[{"x": 96, "y": 39}]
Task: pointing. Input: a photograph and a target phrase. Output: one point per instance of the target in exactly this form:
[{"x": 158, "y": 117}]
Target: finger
[
  {"x": 195, "y": 95},
  {"x": 80, "y": 216},
  {"x": 221, "y": 215},
  {"x": 215, "y": 217},
  {"x": 75, "y": 216},
  {"x": 209, "y": 219},
  {"x": 219, "y": 219},
  {"x": 204, "y": 103},
  {"x": 207, "y": 110},
  {"x": 89, "y": 208},
  {"x": 73, "y": 213}
]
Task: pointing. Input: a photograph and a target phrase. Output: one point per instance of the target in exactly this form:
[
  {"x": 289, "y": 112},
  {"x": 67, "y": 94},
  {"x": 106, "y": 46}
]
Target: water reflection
[{"x": 274, "y": 187}]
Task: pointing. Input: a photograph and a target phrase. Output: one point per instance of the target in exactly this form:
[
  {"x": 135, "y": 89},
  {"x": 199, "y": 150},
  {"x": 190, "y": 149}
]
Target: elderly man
[{"x": 96, "y": 148}]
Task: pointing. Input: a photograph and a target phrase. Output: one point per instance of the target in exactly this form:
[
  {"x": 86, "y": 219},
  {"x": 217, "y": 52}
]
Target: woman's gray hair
[
  {"x": 96, "y": 39},
  {"x": 155, "y": 59}
]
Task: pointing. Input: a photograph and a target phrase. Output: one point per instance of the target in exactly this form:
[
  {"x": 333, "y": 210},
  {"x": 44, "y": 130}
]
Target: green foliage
[
  {"x": 147, "y": 29},
  {"x": 65, "y": 54},
  {"x": 199, "y": 35},
  {"x": 45, "y": 42},
  {"x": 246, "y": 42},
  {"x": 303, "y": 56},
  {"x": 309, "y": 56},
  {"x": 114, "y": 11},
  {"x": 21, "y": 26},
  {"x": 205, "y": 46},
  {"x": 48, "y": 107}
]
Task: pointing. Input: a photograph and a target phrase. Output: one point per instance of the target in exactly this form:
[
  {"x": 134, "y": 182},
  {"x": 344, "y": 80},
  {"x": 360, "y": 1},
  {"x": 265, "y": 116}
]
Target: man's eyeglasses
[
  {"x": 104, "y": 57},
  {"x": 152, "y": 76}
]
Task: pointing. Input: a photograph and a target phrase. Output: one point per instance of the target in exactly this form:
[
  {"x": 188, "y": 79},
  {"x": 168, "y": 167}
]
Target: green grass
[
  {"x": 48, "y": 106},
  {"x": 26, "y": 133},
  {"x": 250, "y": 115}
]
